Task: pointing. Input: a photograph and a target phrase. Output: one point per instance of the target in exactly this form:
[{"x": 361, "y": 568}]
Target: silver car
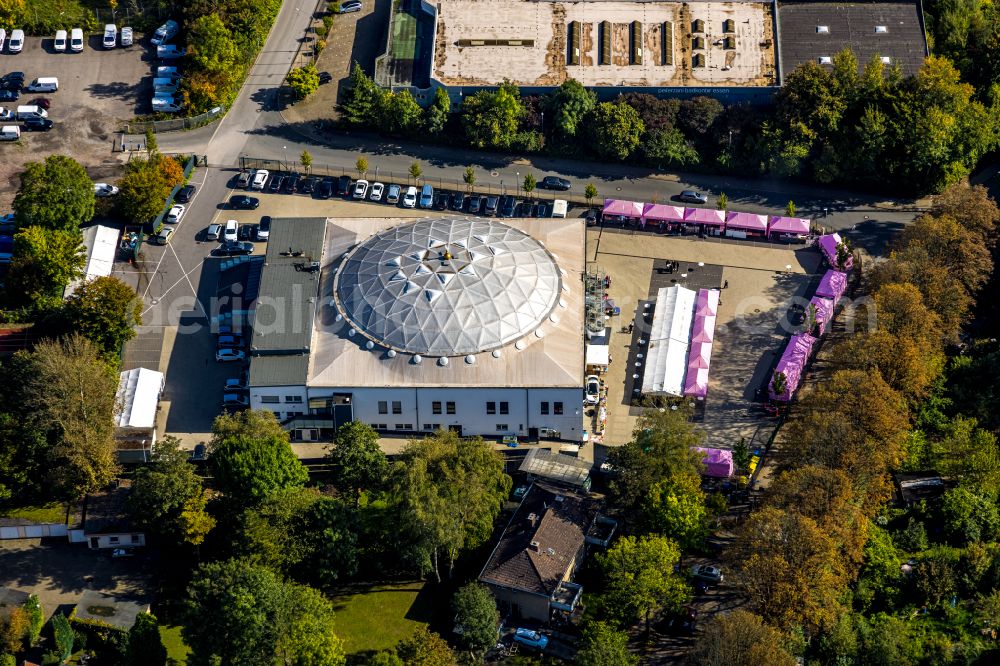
[{"x": 691, "y": 196}]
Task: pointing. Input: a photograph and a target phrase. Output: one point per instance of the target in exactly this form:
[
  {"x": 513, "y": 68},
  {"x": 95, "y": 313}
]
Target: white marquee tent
[{"x": 669, "y": 339}]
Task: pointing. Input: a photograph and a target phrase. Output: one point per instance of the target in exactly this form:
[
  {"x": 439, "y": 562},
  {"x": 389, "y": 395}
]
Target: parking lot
[{"x": 97, "y": 88}]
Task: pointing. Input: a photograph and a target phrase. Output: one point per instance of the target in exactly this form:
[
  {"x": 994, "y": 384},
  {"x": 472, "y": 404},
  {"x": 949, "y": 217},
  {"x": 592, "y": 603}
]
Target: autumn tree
[
  {"x": 972, "y": 207},
  {"x": 641, "y": 579},
  {"x": 740, "y": 638},
  {"x": 303, "y": 81}
]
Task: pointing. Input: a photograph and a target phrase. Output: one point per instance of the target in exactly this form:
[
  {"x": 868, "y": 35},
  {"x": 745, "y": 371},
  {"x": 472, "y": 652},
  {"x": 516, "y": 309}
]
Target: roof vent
[
  {"x": 551, "y": 551},
  {"x": 881, "y": 29},
  {"x": 823, "y": 29},
  {"x": 496, "y": 353},
  {"x": 886, "y": 60},
  {"x": 417, "y": 359},
  {"x": 352, "y": 333},
  {"x": 369, "y": 345},
  {"x": 443, "y": 361},
  {"x": 824, "y": 60},
  {"x": 534, "y": 545},
  {"x": 519, "y": 345}
]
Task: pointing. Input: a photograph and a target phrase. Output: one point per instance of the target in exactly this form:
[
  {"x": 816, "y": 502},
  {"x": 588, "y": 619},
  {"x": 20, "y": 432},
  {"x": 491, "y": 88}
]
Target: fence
[{"x": 174, "y": 124}]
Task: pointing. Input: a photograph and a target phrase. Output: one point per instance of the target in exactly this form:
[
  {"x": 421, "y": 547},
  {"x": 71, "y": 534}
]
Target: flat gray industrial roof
[
  {"x": 802, "y": 37},
  {"x": 279, "y": 370}
]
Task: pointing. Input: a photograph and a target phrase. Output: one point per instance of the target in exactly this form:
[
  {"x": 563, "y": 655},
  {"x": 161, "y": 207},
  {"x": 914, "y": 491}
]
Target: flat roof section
[
  {"x": 811, "y": 31},
  {"x": 609, "y": 43}
]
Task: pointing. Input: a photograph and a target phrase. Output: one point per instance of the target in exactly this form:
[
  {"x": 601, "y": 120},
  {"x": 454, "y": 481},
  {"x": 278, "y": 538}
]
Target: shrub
[
  {"x": 34, "y": 609},
  {"x": 321, "y": 31},
  {"x": 303, "y": 81}
]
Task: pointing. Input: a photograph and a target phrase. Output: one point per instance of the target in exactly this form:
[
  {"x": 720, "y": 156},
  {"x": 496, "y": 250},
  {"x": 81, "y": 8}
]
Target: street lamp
[{"x": 285, "y": 148}]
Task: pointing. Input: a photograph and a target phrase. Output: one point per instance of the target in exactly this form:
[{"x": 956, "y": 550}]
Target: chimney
[
  {"x": 535, "y": 547},
  {"x": 533, "y": 519}
]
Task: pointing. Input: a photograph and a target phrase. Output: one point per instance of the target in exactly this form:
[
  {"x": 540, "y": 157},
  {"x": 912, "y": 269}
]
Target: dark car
[
  {"x": 343, "y": 186},
  {"x": 9, "y": 95},
  {"x": 555, "y": 183},
  {"x": 591, "y": 217},
  {"x": 475, "y": 203},
  {"x": 325, "y": 77},
  {"x": 307, "y": 185},
  {"x": 12, "y": 81},
  {"x": 234, "y": 248},
  {"x": 243, "y": 202},
  {"x": 457, "y": 201},
  {"x": 492, "y": 203},
  {"x": 43, "y": 102},
  {"x": 326, "y": 188},
  {"x": 247, "y": 232},
  {"x": 440, "y": 201},
  {"x": 291, "y": 183},
  {"x": 37, "y": 124},
  {"x": 277, "y": 180},
  {"x": 185, "y": 194},
  {"x": 508, "y": 205},
  {"x": 543, "y": 209}
]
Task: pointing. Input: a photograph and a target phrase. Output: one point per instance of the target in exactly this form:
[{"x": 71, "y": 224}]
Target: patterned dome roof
[{"x": 447, "y": 287}]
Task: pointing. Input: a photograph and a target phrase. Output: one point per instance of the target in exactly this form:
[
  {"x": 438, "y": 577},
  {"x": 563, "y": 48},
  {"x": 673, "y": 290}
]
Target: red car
[{"x": 42, "y": 102}]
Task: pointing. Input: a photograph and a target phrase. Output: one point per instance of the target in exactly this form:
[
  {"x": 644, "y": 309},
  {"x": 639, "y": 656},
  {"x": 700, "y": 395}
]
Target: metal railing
[{"x": 174, "y": 124}]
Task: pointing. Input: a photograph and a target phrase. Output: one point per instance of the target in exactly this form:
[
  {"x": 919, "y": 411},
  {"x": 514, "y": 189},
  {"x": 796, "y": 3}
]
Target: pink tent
[
  {"x": 824, "y": 312},
  {"x": 707, "y": 302},
  {"x": 718, "y": 462},
  {"x": 833, "y": 285},
  {"x": 696, "y": 383},
  {"x": 700, "y": 355},
  {"x": 706, "y": 332},
  {"x": 623, "y": 208},
  {"x": 795, "y": 226},
  {"x": 662, "y": 213},
  {"x": 747, "y": 222},
  {"x": 716, "y": 218},
  {"x": 702, "y": 334},
  {"x": 828, "y": 246},
  {"x": 791, "y": 364}
]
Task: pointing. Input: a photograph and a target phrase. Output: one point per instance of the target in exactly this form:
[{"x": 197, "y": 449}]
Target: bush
[
  {"x": 321, "y": 31},
  {"x": 328, "y": 23},
  {"x": 7, "y": 660},
  {"x": 303, "y": 81},
  {"x": 34, "y": 608}
]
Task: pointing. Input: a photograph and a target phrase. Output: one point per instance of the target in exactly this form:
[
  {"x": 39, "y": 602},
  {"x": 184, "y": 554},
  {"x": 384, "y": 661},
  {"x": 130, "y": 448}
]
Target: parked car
[
  {"x": 326, "y": 188},
  {"x": 76, "y": 40},
  {"x": 185, "y": 194},
  {"x": 457, "y": 201},
  {"x": 531, "y": 638},
  {"x": 105, "y": 190},
  {"x": 234, "y": 249},
  {"x": 259, "y": 179},
  {"x": 12, "y": 81},
  {"x": 235, "y": 341},
  {"x": 110, "y": 36},
  {"x": 9, "y": 95},
  {"x": 593, "y": 384},
  {"x": 3, "y": 38},
  {"x": 170, "y": 52},
  {"x": 475, "y": 204},
  {"x": 343, "y": 186},
  {"x": 441, "y": 201},
  {"x": 325, "y": 77},
  {"x": 291, "y": 183},
  {"x": 126, "y": 37},
  {"x": 213, "y": 232},
  {"x": 555, "y": 183},
  {"x": 234, "y": 384},
  {"x": 492, "y": 203},
  {"x": 360, "y": 189},
  {"x": 591, "y": 217},
  {"x": 426, "y": 196},
  {"x": 38, "y": 124},
  {"x": 410, "y": 198},
  {"x": 247, "y": 232},
  {"x": 392, "y": 195},
  {"x": 507, "y": 206},
  {"x": 59, "y": 43},
  {"x": 230, "y": 231},
  {"x": 707, "y": 573},
  {"x": 16, "y": 42},
  {"x": 349, "y": 6},
  {"x": 165, "y": 33},
  {"x": 175, "y": 214},
  {"x": 121, "y": 552},
  {"x": 691, "y": 196},
  {"x": 163, "y": 237},
  {"x": 378, "y": 189},
  {"x": 307, "y": 185},
  {"x": 226, "y": 355},
  {"x": 7, "y": 114},
  {"x": 243, "y": 179},
  {"x": 542, "y": 209},
  {"x": 235, "y": 400},
  {"x": 277, "y": 180},
  {"x": 263, "y": 231}
]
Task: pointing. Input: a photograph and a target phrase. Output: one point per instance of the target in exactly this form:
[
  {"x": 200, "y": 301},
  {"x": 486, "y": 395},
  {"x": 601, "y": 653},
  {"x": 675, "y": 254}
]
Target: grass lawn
[
  {"x": 177, "y": 652},
  {"x": 377, "y": 617},
  {"x": 54, "y": 512}
]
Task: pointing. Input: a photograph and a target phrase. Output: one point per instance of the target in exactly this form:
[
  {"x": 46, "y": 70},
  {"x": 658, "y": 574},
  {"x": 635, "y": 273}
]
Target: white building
[{"x": 471, "y": 325}]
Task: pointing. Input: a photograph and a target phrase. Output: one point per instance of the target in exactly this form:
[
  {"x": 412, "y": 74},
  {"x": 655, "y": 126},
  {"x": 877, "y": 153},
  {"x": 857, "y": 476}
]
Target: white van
[
  {"x": 59, "y": 43},
  {"x": 31, "y": 111},
  {"x": 16, "y": 42},
  {"x": 559, "y": 207},
  {"x": 110, "y": 36},
  {"x": 166, "y": 85},
  {"x": 10, "y": 133},
  {"x": 76, "y": 40},
  {"x": 44, "y": 84}
]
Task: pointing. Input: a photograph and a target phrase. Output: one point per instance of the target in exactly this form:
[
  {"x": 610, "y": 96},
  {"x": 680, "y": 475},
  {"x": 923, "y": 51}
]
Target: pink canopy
[
  {"x": 747, "y": 221},
  {"x": 791, "y": 364},
  {"x": 696, "y": 382},
  {"x": 824, "y": 312},
  {"x": 706, "y": 332},
  {"x": 718, "y": 462},
  {"x": 789, "y": 225},
  {"x": 623, "y": 208},
  {"x": 663, "y": 213},
  {"x": 833, "y": 285},
  {"x": 705, "y": 216},
  {"x": 707, "y": 302},
  {"x": 702, "y": 334},
  {"x": 828, "y": 246}
]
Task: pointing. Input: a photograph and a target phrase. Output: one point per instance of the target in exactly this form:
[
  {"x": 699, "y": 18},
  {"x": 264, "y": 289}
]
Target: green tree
[
  {"x": 64, "y": 637},
  {"x": 195, "y": 520},
  {"x": 604, "y": 645},
  {"x": 36, "y": 618},
  {"x": 337, "y": 540},
  {"x": 306, "y": 160},
  {"x": 142, "y": 192},
  {"x": 425, "y": 648},
  {"x": 675, "y": 508},
  {"x": 529, "y": 184},
  {"x": 590, "y": 192},
  {"x": 722, "y": 202},
  {"x": 469, "y": 177},
  {"x": 476, "y": 612},
  {"x": 56, "y": 194},
  {"x": 698, "y": 114},
  {"x": 303, "y": 81},
  {"x": 740, "y": 638},
  {"x": 437, "y": 113},
  {"x": 44, "y": 262},
  {"x": 248, "y": 467},
  {"x": 569, "y": 105},
  {"x": 357, "y": 460},
  {"x": 967, "y": 517},
  {"x": 790, "y": 208},
  {"x": 491, "y": 118},
  {"x": 211, "y": 46},
  {"x": 416, "y": 171},
  {"x": 361, "y": 164},
  {"x": 161, "y": 490},
  {"x": 106, "y": 311},
  {"x": 360, "y": 100},
  {"x": 669, "y": 146},
  {"x": 400, "y": 114},
  {"x": 276, "y": 533},
  {"x": 615, "y": 130},
  {"x": 306, "y": 630},
  {"x": 641, "y": 579},
  {"x": 741, "y": 453},
  {"x": 145, "y": 647}
]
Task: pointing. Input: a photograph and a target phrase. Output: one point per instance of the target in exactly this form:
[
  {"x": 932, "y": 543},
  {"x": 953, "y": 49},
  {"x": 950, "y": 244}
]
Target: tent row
[
  {"x": 679, "y": 353},
  {"x": 717, "y": 222},
  {"x": 706, "y": 310},
  {"x": 832, "y": 246}
]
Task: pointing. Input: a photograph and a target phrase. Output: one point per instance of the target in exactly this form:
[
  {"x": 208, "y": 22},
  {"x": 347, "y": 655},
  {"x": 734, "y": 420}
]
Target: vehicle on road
[
  {"x": 165, "y": 33},
  {"x": 426, "y": 196},
  {"x": 259, "y": 179},
  {"x": 531, "y": 638},
  {"x": 38, "y": 124},
  {"x": 16, "y": 42},
  {"x": 508, "y": 205},
  {"x": 307, "y": 185},
  {"x": 326, "y": 188},
  {"x": 175, "y": 214},
  {"x": 126, "y": 37},
  {"x": 105, "y": 190},
  {"x": 264, "y": 228},
  {"x": 163, "y": 237},
  {"x": 392, "y": 195},
  {"x": 378, "y": 189},
  {"x": 243, "y": 202},
  {"x": 185, "y": 194},
  {"x": 227, "y": 355},
  {"x": 475, "y": 204},
  {"x": 457, "y": 201},
  {"x": 707, "y": 573},
  {"x": 410, "y": 198},
  {"x": 230, "y": 231},
  {"x": 213, "y": 232},
  {"x": 691, "y": 196},
  {"x": 593, "y": 384},
  {"x": 59, "y": 43},
  {"x": 235, "y": 400},
  {"x": 555, "y": 183},
  {"x": 76, "y": 40},
  {"x": 343, "y": 186},
  {"x": 360, "y": 189},
  {"x": 110, "y": 36},
  {"x": 492, "y": 203},
  {"x": 349, "y": 6}
]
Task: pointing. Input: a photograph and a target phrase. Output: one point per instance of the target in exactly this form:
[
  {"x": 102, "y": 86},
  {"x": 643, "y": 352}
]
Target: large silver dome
[{"x": 447, "y": 287}]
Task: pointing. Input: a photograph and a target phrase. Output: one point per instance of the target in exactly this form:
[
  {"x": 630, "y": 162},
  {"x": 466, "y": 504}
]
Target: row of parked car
[{"x": 33, "y": 116}]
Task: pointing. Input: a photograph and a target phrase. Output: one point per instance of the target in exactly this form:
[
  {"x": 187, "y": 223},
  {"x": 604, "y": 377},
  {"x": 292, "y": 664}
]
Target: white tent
[
  {"x": 101, "y": 244},
  {"x": 139, "y": 392},
  {"x": 598, "y": 355},
  {"x": 669, "y": 339}
]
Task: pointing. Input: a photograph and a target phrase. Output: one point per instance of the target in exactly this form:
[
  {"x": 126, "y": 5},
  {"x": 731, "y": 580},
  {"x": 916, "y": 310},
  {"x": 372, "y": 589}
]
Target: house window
[
  {"x": 277, "y": 415},
  {"x": 294, "y": 399},
  {"x": 491, "y": 408},
  {"x": 380, "y": 426},
  {"x": 436, "y": 407},
  {"x": 545, "y": 408},
  {"x": 112, "y": 539},
  {"x": 397, "y": 407},
  {"x": 383, "y": 407},
  {"x": 432, "y": 426},
  {"x": 404, "y": 426},
  {"x": 450, "y": 407},
  {"x": 557, "y": 408},
  {"x": 502, "y": 427},
  {"x": 269, "y": 399},
  {"x": 135, "y": 538},
  {"x": 505, "y": 408}
]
